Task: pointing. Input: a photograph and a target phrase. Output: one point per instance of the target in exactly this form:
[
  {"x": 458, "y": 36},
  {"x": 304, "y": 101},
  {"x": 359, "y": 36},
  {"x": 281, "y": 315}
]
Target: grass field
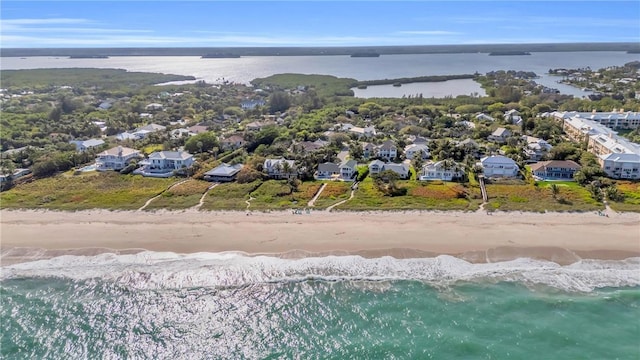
[
  {"x": 526, "y": 197},
  {"x": 229, "y": 196},
  {"x": 277, "y": 195},
  {"x": 182, "y": 196},
  {"x": 334, "y": 192},
  {"x": 421, "y": 195},
  {"x": 107, "y": 190},
  {"x": 631, "y": 191}
]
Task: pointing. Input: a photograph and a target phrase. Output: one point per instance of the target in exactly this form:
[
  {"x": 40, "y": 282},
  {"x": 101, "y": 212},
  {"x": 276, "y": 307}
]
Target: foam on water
[{"x": 165, "y": 270}]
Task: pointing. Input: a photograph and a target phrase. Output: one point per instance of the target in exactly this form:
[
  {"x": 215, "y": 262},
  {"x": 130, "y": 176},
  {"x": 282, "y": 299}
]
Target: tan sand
[{"x": 477, "y": 237}]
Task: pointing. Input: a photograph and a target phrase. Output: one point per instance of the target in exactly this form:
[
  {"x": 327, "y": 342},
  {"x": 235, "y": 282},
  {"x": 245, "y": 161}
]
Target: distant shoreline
[{"x": 316, "y": 51}]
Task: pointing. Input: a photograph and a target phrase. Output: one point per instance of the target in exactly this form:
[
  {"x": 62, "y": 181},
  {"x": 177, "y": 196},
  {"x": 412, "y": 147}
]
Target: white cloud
[{"x": 427, "y": 32}]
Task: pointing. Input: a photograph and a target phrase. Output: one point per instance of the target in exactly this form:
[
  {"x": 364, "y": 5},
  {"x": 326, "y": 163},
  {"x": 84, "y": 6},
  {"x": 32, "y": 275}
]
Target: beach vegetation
[
  {"x": 109, "y": 190},
  {"x": 181, "y": 196},
  {"x": 230, "y": 196},
  {"x": 568, "y": 197},
  {"x": 627, "y": 197},
  {"x": 333, "y": 192}
]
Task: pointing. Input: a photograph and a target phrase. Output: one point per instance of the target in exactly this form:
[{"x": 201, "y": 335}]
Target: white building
[
  {"x": 411, "y": 150},
  {"x": 440, "y": 171},
  {"x": 276, "y": 168},
  {"x": 84, "y": 145},
  {"x": 498, "y": 166},
  {"x": 616, "y": 119},
  {"x": 169, "y": 161},
  {"x": 116, "y": 158}
]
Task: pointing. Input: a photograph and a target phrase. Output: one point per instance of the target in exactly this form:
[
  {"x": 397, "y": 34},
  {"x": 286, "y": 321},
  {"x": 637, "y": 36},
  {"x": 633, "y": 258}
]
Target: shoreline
[{"x": 476, "y": 237}]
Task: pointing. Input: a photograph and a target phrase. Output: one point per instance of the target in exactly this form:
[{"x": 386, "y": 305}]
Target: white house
[
  {"x": 498, "y": 166},
  {"x": 375, "y": 167},
  {"x": 348, "y": 169},
  {"x": 401, "y": 169},
  {"x": 126, "y": 136},
  {"x": 485, "y": 117},
  {"x": 500, "y": 135},
  {"x": 84, "y": 145},
  {"x": 152, "y": 128},
  {"x": 387, "y": 150},
  {"x": 116, "y": 158},
  {"x": 276, "y": 168},
  {"x": 164, "y": 161},
  {"x": 513, "y": 116},
  {"x": 440, "y": 171},
  {"x": 153, "y": 106},
  {"x": 536, "y": 148},
  {"x": 411, "y": 150}
]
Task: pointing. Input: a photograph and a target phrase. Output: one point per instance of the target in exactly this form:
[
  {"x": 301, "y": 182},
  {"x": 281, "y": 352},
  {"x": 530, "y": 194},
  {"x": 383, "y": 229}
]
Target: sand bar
[{"x": 562, "y": 237}]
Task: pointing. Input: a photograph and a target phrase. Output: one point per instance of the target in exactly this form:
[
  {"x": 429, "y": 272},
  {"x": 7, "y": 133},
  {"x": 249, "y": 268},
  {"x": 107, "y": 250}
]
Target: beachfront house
[
  {"x": 223, "y": 173},
  {"x": 555, "y": 170},
  {"x": 498, "y": 166},
  {"x": 401, "y": 169},
  {"x": 348, "y": 169},
  {"x": 375, "y": 167},
  {"x": 442, "y": 170},
  {"x": 165, "y": 163},
  {"x": 280, "y": 168},
  {"x": 621, "y": 165},
  {"x": 116, "y": 158},
  {"x": 327, "y": 170}
]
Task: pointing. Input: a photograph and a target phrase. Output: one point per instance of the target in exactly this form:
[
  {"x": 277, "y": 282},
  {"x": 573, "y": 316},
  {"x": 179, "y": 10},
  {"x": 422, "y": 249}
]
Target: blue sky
[{"x": 33, "y": 24}]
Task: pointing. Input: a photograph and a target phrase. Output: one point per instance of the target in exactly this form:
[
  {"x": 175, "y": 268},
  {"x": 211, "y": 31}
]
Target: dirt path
[
  {"x": 157, "y": 196},
  {"x": 354, "y": 187},
  {"x": 312, "y": 202},
  {"x": 197, "y": 207}
]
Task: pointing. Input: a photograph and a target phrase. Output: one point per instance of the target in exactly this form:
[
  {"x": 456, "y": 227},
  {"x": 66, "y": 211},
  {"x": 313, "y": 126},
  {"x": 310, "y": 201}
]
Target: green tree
[
  {"x": 279, "y": 101},
  {"x": 201, "y": 142}
]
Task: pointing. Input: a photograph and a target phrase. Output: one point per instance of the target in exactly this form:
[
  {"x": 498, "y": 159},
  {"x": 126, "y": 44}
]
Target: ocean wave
[{"x": 165, "y": 270}]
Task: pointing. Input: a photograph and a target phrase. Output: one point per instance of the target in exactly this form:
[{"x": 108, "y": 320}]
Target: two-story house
[
  {"x": 166, "y": 161},
  {"x": 411, "y": 150},
  {"x": 498, "y": 166},
  {"x": 116, "y": 158},
  {"x": 500, "y": 135},
  {"x": 555, "y": 170},
  {"x": 387, "y": 150},
  {"x": 441, "y": 170},
  {"x": 280, "y": 168}
]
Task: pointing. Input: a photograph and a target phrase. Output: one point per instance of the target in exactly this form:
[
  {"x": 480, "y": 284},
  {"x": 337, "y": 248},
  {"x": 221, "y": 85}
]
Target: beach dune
[{"x": 477, "y": 237}]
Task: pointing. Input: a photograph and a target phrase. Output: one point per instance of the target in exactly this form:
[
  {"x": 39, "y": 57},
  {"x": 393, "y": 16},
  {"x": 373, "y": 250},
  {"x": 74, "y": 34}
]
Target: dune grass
[
  {"x": 277, "y": 195},
  {"x": 182, "y": 196},
  {"x": 229, "y": 196},
  {"x": 631, "y": 202},
  {"x": 334, "y": 192},
  {"x": 540, "y": 198},
  {"x": 108, "y": 190},
  {"x": 421, "y": 195}
]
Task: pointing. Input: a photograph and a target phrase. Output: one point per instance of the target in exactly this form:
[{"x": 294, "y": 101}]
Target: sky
[{"x": 79, "y": 24}]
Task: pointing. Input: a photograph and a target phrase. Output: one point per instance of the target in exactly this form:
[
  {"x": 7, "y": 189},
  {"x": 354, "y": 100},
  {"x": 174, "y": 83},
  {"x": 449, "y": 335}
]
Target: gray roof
[
  {"x": 171, "y": 155},
  {"x": 328, "y": 167},
  {"x": 224, "y": 170},
  {"x": 349, "y": 163}
]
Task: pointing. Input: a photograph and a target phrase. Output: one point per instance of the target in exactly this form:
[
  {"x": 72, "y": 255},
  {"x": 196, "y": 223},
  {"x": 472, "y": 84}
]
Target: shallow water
[{"x": 163, "y": 305}]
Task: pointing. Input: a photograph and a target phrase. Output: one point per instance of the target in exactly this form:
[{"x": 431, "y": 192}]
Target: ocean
[
  {"x": 155, "y": 305},
  {"x": 245, "y": 69}
]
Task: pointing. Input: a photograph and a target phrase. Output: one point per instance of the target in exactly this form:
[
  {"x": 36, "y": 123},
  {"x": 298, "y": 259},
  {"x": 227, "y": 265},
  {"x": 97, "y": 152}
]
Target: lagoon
[
  {"x": 440, "y": 89},
  {"x": 245, "y": 69}
]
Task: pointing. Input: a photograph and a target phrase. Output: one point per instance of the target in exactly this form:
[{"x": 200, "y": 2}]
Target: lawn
[
  {"x": 527, "y": 197},
  {"x": 334, "y": 192},
  {"x": 631, "y": 191},
  {"x": 229, "y": 196},
  {"x": 421, "y": 195},
  {"x": 109, "y": 190},
  {"x": 181, "y": 196}
]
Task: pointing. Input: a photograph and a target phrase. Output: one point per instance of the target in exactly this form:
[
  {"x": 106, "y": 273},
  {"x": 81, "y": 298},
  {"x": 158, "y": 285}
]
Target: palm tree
[
  {"x": 555, "y": 190},
  {"x": 286, "y": 168}
]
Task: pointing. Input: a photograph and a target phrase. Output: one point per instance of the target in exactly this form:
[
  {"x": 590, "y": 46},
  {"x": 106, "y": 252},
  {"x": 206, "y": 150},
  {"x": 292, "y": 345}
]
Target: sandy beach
[{"x": 477, "y": 237}]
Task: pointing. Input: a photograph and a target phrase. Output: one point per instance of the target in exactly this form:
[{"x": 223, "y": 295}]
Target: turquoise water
[{"x": 236, "y": 307}]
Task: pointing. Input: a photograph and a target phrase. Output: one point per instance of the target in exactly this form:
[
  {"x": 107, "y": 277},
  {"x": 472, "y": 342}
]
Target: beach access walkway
[
  {"x": 354, "y": 187},
  {"x": 157, "y": 196},
  {"x": 312, "y": 202}
]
